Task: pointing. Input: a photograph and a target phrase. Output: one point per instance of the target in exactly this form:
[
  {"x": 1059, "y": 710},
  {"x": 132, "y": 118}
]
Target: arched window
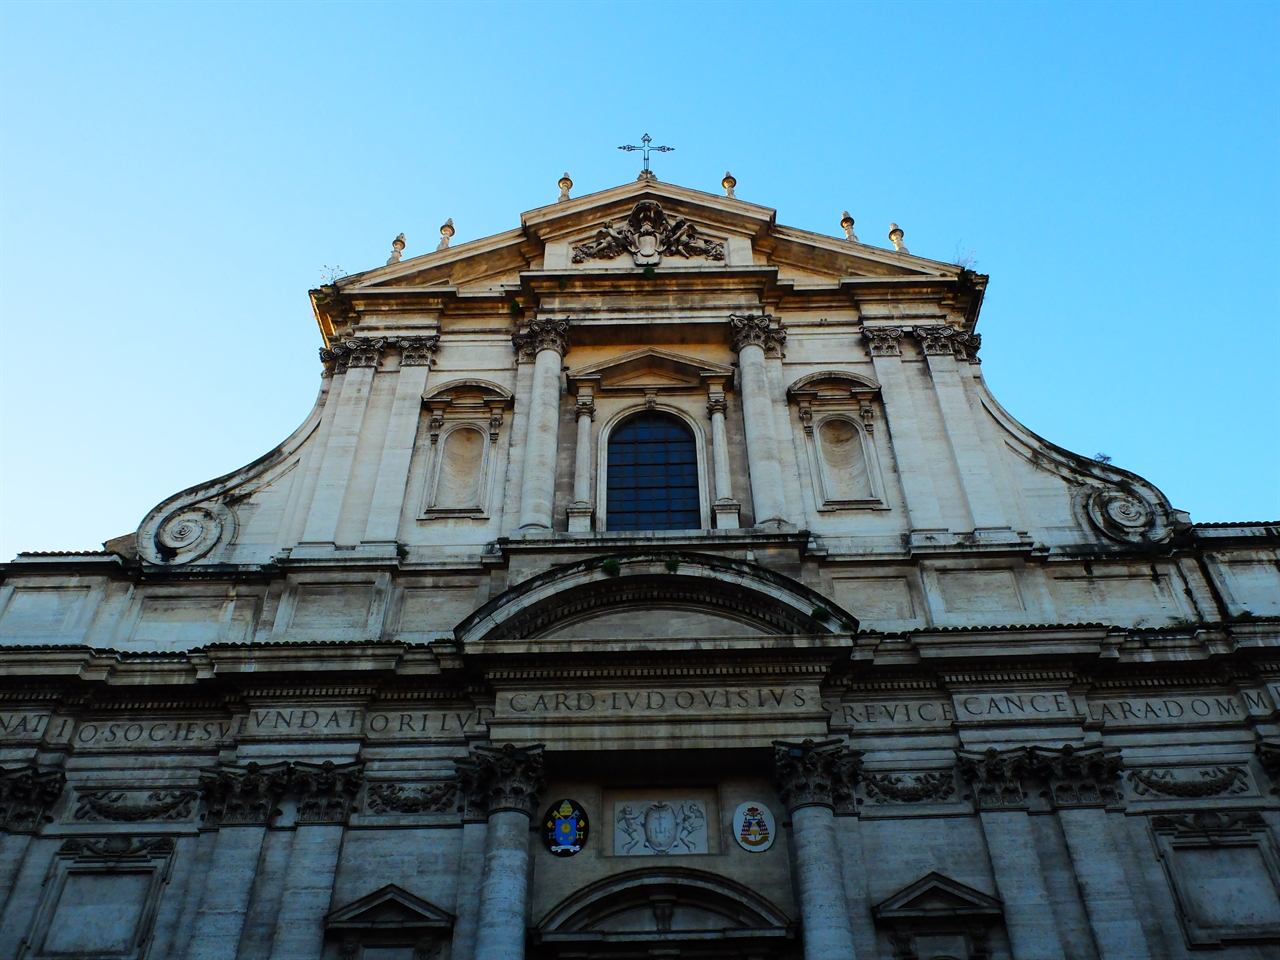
[{"x": 653, "y": 475}]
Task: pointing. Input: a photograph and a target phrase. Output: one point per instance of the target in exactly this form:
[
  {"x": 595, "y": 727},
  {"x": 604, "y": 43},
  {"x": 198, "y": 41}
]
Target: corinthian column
[
  {"x": 811, "y": 778},
  {"x": 1081, "y": 784},
  {"x": 580, "y": 509},
  {"x": 546, "y": 341},
  {"x": 751, "y": 337},
  {"x": 995, "y": 779},
  {"x": 507, "y": 782}
]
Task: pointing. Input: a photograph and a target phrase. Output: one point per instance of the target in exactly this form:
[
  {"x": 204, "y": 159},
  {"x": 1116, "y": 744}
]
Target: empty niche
[
  {"x": 844, "y": 461},
  {"x": 461, "y": 470}
]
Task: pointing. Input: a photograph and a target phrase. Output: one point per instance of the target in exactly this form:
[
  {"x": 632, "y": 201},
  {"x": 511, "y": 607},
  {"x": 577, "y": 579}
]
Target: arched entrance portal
[{"x": 665, "y": 912}]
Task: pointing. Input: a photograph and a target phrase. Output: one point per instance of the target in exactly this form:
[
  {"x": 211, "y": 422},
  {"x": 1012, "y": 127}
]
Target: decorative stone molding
[
  {"x": 812, "y": 773},
  {"x": 243, "y": 795},
  {"x": 1209, "y": 825},
  {"x": 648, "y": 235},
  {"x": 191, "y": 532},
  {"x": 938, "y": 339},
  {"x": 119, "y": 806},
  {"x": 382, "y": 798},
  {"x": 892, "y": 788},
  {"x": 116, "y": 848},
  {"x": 883, "y": 341},
  {"x": 584, "y": 407},
  {"x": 1121, "y": 515},
  {"x": 543, "y": 334},
  {"x": 354, "y": 352},
  {"x": 26, "y": 795},
  {"x": 1079, "y": 778},
  {"x": 1269, "y": 759},
  {"x": 418, "y": 351},
  {"x": 995, "y": 777},
  {"x": 1213, "y": 782},
  {"x": 326, "y": 791},
  {"x": 748, "y": 329},
  {"x": 502, "y": 778}
]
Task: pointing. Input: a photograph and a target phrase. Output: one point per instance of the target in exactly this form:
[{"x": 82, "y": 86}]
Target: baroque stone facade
[{"x": 649, "y": 580}]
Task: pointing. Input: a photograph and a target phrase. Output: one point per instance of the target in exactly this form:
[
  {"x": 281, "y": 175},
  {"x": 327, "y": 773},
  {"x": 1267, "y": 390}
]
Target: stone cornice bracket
[
  {"x": 543, "y": 334},
  {"x": 326, "y": 791},
  {"x": 747, "y": 329},
  {"x": 353, "y": 352},
  {"x": 883, "y": 341},
  {"x": 1269, "y": 759},
  {"x": 26, "y": 795},
  {"x": 502, "y": 778},
  {"x": 1079, "y": 778},
  {"x": 938, "y": 339},
  {"x": 816, "y": 773},
  {"x": 418, "y": 351},
  {"x": 995, "y": 777},
  {"x": 243, "y": 795}
]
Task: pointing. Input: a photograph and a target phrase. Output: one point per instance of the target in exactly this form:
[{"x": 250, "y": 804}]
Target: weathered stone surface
[{"x": 1001, "y": 701}]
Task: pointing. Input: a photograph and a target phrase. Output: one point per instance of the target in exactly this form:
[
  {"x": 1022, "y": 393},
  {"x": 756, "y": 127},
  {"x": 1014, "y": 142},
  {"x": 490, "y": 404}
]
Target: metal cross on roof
[{"x": 645, "y": 141}]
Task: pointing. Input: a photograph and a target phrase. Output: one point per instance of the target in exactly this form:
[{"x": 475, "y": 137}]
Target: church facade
[{"x": 650, "y": 580}]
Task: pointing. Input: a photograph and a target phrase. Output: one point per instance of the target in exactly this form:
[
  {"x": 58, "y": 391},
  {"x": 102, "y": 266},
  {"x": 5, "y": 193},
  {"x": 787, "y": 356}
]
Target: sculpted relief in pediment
[{"x": 648, "y": 234}]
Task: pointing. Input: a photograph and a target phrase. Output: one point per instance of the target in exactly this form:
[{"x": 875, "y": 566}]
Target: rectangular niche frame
[
  {"x": 115, "y": 855},
  {"x": 463, "y": 405},
  {"x": 1214, "y": 831},
  {"x": 838, "y": 395}
]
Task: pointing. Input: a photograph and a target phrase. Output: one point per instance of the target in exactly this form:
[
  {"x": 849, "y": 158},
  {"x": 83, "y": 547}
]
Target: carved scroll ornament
[
  {"x": 938, "y": 339},
  {"x": 118, "y": 806},
  {"x": 354, "y": 352},
  {"x": 1079, "y": 778},
  {"x": 383, "y": 798},
  {"x": 648, "y": 234},
  {"x": 244, "y": 795},
  {"x": 995, "y": 777},
  {"x": 889, "y": 788},
  {"x": 883, "y": 341}
]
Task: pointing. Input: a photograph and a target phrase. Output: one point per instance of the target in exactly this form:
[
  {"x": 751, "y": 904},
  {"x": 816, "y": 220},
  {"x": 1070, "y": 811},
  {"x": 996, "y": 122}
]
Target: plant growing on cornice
[
  {"x": 672, "y": 563},
  {"x": 515, "y": 308},
  {"x": 329, "y": 275},
  {"x": 562, "y": 284},
  {"x": 650, "y": 272},
  {"x": 820, "y": 613},
  {"x": 611, "y": 567}
]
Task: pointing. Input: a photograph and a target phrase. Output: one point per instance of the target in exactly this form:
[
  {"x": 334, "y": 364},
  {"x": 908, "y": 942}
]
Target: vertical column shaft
[
  {"x": 504, "y": 887},
  {"x": 228, "y": 886},
  {"x": 1113, "y": 916},
  {"x": 824, "y": 914},
  {"x": 339, "y": 454},
  {"x": 1028, "y": 914},
  {"x": 762, "y": 441},
  {"x": 308, "y": 888},
  {"x": 582, "y": 453},
  {"x": 548, "y": 340},
  {"x": 720, "y": 454},
  {"x": 397, "y": 450},
  {"x": 981, "y": 486},
  {"x": 909, "y": 450}
]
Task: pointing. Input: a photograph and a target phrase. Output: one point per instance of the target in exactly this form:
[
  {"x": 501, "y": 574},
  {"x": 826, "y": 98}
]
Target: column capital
[
  {"x": 326, "y": 791},
  {"x": 543, "y": 334},
  {"x": 749, "y": 329},
  {"x": 243, "y": 795},
  {"x": 996, "y": 776},
  {"x": 353, "y": 352},
  {"x": 883, "y": 341},
  {"x": 1079, "y": 778},
  {"x": 418, "y": 351},
  {"x": 815, "y": 773},
  {"x": 26, "y": 795},
  {"x": 502, "y": 778},
  {"x": 716, "y": 405},
  {"x": 585, "y": 407},
  {"x": 938, "y": 339}
]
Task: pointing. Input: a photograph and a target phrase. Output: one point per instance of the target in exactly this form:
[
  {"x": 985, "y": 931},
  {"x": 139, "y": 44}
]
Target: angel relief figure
[
  {"x": 648, "y": 235},
  {"x": 660, "y": 828}
]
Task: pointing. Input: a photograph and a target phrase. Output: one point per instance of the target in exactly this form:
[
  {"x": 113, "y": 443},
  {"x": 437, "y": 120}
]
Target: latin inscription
[
  {"x": 23, "y": 726},
  {"x": 654, "y": 702},
  {"x": 1051, "y": 705}
]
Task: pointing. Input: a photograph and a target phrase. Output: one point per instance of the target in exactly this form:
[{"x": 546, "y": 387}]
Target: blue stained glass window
[{"x": 653, "y": 475}]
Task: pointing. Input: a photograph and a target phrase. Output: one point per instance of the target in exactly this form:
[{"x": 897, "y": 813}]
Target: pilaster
[{"x": 547, "y": 341}]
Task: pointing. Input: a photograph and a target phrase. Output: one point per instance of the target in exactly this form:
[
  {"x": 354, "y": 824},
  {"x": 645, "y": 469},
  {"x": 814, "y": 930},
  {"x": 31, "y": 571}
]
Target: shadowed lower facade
[{"x": 649, "y": 580}]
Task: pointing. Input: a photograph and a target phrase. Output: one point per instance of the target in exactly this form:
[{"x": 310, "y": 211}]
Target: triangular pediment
[
  {"x": 389, "y": 908},
  {"x": 649, "y": 369},
  {"x": 935, "y": 895}
]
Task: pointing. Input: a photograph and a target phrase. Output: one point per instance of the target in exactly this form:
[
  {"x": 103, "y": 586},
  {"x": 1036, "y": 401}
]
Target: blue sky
[{"x": 173, "y": 177}]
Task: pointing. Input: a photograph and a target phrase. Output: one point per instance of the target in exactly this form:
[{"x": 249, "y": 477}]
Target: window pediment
[{"x": 643, "y": 371}]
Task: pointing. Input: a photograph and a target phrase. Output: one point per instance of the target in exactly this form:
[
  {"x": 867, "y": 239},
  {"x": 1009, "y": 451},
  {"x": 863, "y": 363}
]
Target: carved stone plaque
[{"x": 654, "y": 828}]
